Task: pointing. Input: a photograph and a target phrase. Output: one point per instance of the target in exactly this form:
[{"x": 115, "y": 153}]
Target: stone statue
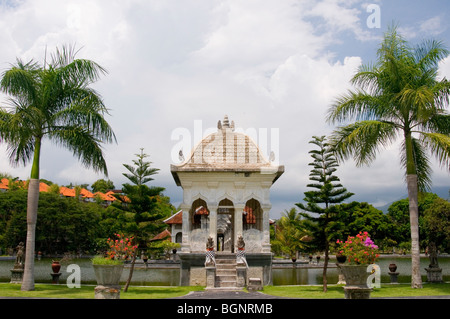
[
  {"x": 240, "y": 255},
  {"x": 19, "y": 264},
  {"x": 210, "y": 255},
  {"x": 241, "y": 243},
  {"x": 433, "y": 255}
]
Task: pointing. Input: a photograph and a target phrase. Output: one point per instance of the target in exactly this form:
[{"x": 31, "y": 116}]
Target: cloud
[{"x": 265, "y": 63}]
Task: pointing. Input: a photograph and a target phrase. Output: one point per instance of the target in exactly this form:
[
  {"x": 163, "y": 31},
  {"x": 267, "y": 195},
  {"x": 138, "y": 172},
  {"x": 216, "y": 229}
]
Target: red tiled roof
[
  {"x": 106, "y": 197},
  {"x": 85, "y": 193},
  {"x": 4, "y": 183},
  {"x": 163, "y": 235},
  {"x": 68, "y": 192},
  {"x": 43, "y": 187},
  {"x": 176, "y": 218}
]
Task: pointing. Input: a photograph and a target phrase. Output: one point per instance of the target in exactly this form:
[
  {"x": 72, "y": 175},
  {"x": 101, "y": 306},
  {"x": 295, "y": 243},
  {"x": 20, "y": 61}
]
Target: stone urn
[
  {"x": 392, "y": 267},
  {"x": 56, "y": 266},
  {"x": 356, "y": 281},
  {"x": 341, "y": 258},
  {"x": 108, "y": 281}
]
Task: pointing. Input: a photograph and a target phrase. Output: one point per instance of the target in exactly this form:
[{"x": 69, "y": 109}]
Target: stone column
[
  {"x": 210, "y": 276},
  {"x": 186, "y": 227},
  {"x": 238, "y": 227},
  {"x": 213, "y": 222},
  {"x": 266, "y": 228}
]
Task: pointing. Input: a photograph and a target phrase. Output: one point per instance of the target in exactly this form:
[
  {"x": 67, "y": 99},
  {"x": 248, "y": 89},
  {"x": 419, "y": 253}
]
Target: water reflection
[
  {"x": 313, "y": 276},
  {"x": 142, "y": 276},
  {"x": 160, "y": 276}
]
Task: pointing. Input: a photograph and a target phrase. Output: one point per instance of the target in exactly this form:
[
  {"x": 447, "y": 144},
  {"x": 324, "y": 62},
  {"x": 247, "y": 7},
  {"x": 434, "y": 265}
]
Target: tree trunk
[
  {"x": 32, "y": 205},
  {"x": 32, "y": 208},
  {"x": 325, "y": 265},
  {"x": 131, "y": 272},
  {"x": 416, "y": 279}
]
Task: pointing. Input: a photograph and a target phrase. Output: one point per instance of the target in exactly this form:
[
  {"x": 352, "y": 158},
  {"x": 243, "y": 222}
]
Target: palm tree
[
  {"x": 290, "y": 231},
  {"x": 52, "y": 101},
  {"x": 398, "y": 97}
]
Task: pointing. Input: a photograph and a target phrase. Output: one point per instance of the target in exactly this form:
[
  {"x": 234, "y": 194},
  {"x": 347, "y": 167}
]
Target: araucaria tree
[
  {"x": 327, "y": 193},
  {"x": 399, "y": 96},
  {"x": 141, "y": 202},
  {"x": 54, "y": 102}
]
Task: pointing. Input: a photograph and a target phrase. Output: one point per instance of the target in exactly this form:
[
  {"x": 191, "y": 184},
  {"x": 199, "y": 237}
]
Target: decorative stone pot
[
  {"x": 341, "y": 258},
  {"x": 108, "y": 281},
  {"x": 56, "y": 266},
  {"x": 356, "y": 281},
  {"x": 392, "y": 267},
  {"x": 108, "y": 275}
]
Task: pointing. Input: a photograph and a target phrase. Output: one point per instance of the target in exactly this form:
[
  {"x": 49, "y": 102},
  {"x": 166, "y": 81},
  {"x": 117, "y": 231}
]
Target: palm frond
[
  {"x": 439, "y": 145},
  {"x": 361, "y": 140},
  {"x": 83, "y": 144},
  {"x": 357, "y": 105},
  {"x": 21, "y": 81}
]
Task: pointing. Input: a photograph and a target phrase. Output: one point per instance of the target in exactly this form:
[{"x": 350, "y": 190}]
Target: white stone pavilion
[{"x": 226, "y": 184}]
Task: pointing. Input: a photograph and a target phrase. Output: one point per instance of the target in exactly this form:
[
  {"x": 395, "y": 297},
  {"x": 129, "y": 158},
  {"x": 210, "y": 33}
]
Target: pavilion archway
[{"x": 225, "y": 229}]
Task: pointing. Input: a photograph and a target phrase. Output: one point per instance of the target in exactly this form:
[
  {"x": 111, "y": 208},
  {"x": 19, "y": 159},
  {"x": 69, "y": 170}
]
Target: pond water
[
  {"x": 170, "y": 276},
  {"x": 141, "y": 276},
  {"x": 313, "y": 276}
]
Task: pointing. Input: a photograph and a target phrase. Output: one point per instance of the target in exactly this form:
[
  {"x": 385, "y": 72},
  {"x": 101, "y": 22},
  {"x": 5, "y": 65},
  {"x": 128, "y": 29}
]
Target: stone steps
[{"x": 226, "y": 275}]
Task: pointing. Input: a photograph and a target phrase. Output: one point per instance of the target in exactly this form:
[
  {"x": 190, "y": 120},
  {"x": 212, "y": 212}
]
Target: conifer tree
[
  {"x": 327, "y": 192},
  {"x": 142, "y": 203}
]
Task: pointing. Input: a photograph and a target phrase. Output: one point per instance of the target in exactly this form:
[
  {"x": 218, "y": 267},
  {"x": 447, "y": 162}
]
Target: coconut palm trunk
[
  {"x": 32, "y": 207},
  {"x": 416, "y": 279}
]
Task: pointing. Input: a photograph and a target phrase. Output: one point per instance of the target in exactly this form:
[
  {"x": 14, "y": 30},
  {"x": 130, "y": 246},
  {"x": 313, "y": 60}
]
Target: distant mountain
[{"x": 441, "y": 191}]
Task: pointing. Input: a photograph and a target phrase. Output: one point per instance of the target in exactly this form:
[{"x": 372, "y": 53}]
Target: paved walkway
[
  {"x": 240, "y": 294},
  {"x": 227, "y": 294}
]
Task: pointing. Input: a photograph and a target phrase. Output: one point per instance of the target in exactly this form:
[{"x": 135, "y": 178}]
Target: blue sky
[{"x": 267, "y": 64}]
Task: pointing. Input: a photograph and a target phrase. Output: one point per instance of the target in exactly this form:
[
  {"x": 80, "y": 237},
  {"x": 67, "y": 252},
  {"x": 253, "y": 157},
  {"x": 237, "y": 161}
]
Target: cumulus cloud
[{"x": 265, "y": 63}]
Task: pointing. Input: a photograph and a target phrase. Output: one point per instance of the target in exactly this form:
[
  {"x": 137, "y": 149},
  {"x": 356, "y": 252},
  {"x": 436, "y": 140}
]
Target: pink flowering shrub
[{"x": 359, "y": 249}]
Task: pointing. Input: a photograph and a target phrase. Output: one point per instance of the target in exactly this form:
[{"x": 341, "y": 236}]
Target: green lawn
[
  {"x": 337, "y": 291},
  {"x": 150, "y": 292},
  {"x": 87, "y": 291}
]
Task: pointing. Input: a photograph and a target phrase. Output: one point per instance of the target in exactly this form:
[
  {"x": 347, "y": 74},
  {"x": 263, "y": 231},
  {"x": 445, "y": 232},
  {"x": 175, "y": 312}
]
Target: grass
[
  {"x": 87, "y": 291},
  {"x": 337, "y": 291},
  {"x": 150, "y": 292}
]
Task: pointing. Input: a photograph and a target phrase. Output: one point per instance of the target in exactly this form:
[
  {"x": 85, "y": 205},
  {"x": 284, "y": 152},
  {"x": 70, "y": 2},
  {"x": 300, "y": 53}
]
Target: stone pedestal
[
  {"x": 341, "y": 278},
  {"x": 356, "y": 292},
  {"x": 254, "y": 284},
  {"x": 16, "y": 276},
  {"x": 241, "y": 276},
  {"x": 394, "y": 277},
  {"x": 434, "y": 274},
  {"x": 210, "y": 277},
  {"x": 107, "y": 292},
  {"x": 55, "y": 277}
]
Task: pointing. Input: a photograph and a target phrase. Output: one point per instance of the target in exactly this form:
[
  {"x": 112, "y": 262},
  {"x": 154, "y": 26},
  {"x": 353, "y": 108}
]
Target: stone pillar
[
  {"x": 266, "y": 228},
  {"x": 210, "y": 276},
  {"x": 238, "y": 227},
  {"x": 241, "y": 278},
  {"x": 213, "y": 221},
  {"x": 186, "y": 228}
]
